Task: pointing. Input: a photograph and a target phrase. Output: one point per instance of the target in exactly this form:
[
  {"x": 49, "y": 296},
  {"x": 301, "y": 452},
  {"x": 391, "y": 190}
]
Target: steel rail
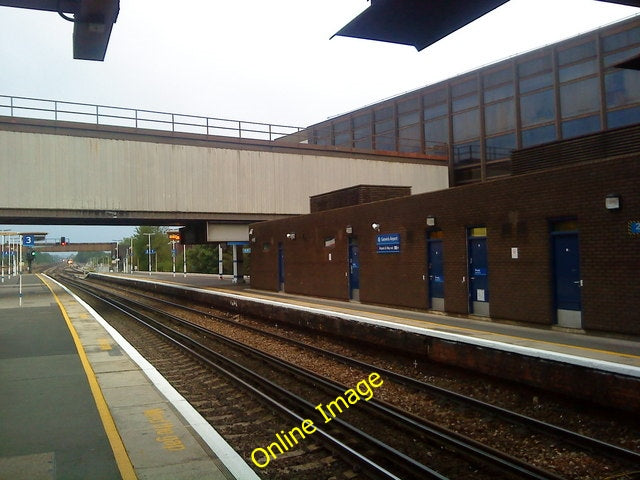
[
  {"x": 453, "y": 440},
  {"x": 192, "y": 346},
  {"x": 569, "y": 436}
]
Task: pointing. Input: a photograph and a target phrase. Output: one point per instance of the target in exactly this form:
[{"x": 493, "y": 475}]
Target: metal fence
[{"x": 148, "y": 119}]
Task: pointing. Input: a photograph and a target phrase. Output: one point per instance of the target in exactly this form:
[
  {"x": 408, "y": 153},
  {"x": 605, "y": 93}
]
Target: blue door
[
  {"x": 567, "y": 283},
  {"x": 436, "y": 275},
  {"x": 478, "y": 275},
  {"x": 354, "y": 269},
  {"x": 280, "y": 267}
]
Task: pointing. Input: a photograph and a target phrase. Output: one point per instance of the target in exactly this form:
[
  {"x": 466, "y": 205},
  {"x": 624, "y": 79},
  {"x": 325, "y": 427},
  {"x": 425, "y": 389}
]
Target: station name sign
[{"x": 388, "y": 243}]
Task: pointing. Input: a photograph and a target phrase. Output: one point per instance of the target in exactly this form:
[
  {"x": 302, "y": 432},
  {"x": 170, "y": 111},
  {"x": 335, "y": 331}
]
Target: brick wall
[
  {"x": 517, "y": 212},
  {"x": 356, "y": 195}
]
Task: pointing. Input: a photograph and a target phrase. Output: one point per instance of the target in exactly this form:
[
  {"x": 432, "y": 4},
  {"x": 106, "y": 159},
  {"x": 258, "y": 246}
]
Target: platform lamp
[
  {"x": 431, "y": 221},
  {"x": 613, "y": 202}
]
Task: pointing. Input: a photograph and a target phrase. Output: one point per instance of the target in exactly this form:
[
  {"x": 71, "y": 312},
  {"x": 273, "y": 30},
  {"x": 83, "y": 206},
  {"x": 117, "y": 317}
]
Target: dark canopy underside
[{"x": 422, "y": 22}]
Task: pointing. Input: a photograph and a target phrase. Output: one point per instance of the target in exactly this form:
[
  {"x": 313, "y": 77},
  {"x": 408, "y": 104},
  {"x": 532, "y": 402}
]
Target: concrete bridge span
[{"x": 75, "y": 173}]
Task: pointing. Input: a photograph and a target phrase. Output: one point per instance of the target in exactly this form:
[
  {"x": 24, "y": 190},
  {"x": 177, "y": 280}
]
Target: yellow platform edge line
[{"x": 119, "y": 452}]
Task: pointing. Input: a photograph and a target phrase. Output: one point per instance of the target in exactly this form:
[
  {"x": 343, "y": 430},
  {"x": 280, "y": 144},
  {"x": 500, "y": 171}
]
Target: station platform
[
  {"x": 78, "y": 402},
  {"x": 598, "y": 368},
  {"x": 624, "y": 351}
]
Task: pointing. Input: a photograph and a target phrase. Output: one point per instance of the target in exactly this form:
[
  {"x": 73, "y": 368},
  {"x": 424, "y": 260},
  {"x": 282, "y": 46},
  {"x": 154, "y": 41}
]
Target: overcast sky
[{"x": 265, "y": 61}]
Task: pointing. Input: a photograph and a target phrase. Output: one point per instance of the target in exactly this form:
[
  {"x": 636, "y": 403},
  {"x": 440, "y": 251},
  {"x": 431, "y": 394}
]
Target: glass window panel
[
  {"x": 383, "y": 113},
  {"x": 464, "y": 88},
  {"x": 535, "y": 83},
  {"x": 412, "y": 132},
  {"x": 322, "y": 136},
  {"x": 621, "y": 40},
  {"x": 437, "y": 130},
  {"x": 622, "y": 87},
  {"x": 341, "y": 126},
  {"x": 615, "y": 58},
  {"x": 385, "y": 126},
  {"x": 360, "y": 133},
  {"x": 579, "y": 70},
  {"x": 466, "y": 125},
  {"x": 436, "y": 96},
  {"x": 409, "y": 105},
  {"x": 343, "y": 139},
  {"x": 496, "y": 78},
  {"x": 580, "y": 97},
  {"x": 410, "y": 146},
  {"x": 435, "y": 111},
  {"x": 386, "y": 141},
  {"x": 362, "y": 120},
  {"x": 576, "y": 53},
  {"x": 499, "y": 117},
  {"x": 408, "y": 119},
  {"x": 535, "y": 66},
  {"x": 466, "y": 154},
  {"x": 500, "y": 147},
  {"x": 505, "y": 91},
  {"x": 621, "y": 118},
  {"x": 465, "y": 102},
  {"x": 364, "y": 142},
  {"x": 538, "y": 135},
  {"x": 409, "y": 139},
  {"x": 580, "y": 126},
  {"x": 537, "y": 108}
]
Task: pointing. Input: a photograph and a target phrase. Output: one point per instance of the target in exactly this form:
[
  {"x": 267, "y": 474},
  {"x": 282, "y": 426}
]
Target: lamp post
[
  {"x": 131, "y": 256},
  {"x": 117, "y": 256},
  {"x": 149, "y": 250},
  {"x": 184, "y": 259},
  {"x": 173, "y": 256},
  {"x": 2, "y": 257}
]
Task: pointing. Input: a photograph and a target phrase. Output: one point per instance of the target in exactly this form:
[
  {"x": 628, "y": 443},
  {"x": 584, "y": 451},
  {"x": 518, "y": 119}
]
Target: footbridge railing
[{"x": 26, "y": 107}]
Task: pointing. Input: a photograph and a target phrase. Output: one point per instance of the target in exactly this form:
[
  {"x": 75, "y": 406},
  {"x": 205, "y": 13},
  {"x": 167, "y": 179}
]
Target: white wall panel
[{"x": 79, "y": 173}]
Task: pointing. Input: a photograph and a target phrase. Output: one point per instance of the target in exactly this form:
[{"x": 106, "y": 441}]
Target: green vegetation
[
  {"x": 200, "y": 258},
  {"x": 44, "y": 258}
]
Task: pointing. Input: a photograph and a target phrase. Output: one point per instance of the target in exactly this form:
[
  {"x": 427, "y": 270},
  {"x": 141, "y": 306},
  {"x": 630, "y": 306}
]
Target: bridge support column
[
  {"x": 220, "y": 260},
  {"x": 238, "y": 276}
]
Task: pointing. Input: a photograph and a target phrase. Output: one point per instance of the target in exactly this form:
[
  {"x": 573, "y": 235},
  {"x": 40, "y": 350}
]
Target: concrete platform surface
[{"x": 78, "y": 402}]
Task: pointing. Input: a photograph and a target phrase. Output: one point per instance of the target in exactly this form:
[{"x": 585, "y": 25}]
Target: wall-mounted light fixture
[
  {"x": 349, "y": 229},
  {"x": 375, "y": 226},
  {"x": 291, "y": 236},
  {"x": 431, "y": 221},
  {"x": 613, "y": 201},
  {"x": 251, "y": 231}
]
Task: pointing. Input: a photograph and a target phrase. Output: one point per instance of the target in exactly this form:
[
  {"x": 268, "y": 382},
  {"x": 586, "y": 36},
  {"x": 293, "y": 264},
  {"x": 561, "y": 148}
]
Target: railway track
[{"x": 422, "y": 450}]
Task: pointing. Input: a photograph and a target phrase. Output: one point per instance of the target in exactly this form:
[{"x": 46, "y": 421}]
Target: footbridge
[{"x": 87, "y": 164}]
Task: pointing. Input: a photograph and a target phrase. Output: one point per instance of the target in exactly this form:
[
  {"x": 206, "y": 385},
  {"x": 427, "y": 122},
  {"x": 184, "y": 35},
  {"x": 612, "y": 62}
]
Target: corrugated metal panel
[{"x": 80, "y": 173}]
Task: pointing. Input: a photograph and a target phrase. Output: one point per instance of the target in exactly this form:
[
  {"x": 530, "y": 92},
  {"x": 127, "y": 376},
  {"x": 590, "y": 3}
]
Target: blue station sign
[{"x": 388, "y": 243}]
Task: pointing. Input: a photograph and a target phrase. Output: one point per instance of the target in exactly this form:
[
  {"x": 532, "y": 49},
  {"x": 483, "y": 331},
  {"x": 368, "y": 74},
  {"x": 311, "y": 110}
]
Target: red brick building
[{"x": 557, "y": 242}]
